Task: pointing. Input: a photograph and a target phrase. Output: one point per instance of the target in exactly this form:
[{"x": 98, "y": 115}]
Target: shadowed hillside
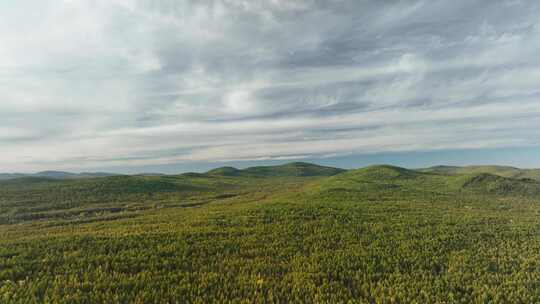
[{"x": 494, "y": 184}]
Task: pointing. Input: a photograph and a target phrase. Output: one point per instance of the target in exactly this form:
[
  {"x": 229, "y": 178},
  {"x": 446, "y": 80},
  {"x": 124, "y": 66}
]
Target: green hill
[
  {"x": 290, "y": 169},
  {"x": 381, "y": 173},
  {"x": 225, "y": 171},
  {"x": 504, "y": 171},
  {"x": 368, "y": 180},
  {"x": 385, "y": 179}
]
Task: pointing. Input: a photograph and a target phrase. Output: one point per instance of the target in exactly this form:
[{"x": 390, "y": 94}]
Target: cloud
[{"x": 138, "y": 82}]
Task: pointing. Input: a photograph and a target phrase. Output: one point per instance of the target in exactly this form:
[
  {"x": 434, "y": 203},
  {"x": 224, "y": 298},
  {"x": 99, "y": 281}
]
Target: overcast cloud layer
[{"x": 130, "y": 83}]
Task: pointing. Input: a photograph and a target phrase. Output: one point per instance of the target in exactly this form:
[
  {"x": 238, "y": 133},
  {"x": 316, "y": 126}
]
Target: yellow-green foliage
[{"x": 378, "y": 235}]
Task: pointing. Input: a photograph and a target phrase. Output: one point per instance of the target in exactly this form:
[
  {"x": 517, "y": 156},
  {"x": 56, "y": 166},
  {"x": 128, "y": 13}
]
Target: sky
[{"x": 173, "y": 85}]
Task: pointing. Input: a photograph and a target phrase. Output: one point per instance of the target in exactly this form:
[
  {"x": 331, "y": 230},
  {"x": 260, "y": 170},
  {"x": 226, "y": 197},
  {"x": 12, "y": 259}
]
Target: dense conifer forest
[{"x": 297, "y": 233}]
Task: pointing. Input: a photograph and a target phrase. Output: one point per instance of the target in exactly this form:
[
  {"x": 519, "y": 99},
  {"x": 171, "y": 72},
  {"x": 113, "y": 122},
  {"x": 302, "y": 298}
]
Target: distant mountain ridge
[
  {"x": 290, "y": 169},
  {"x": 56, "y": 175},
  {"x": 301, "y": 169},
  {"x": 297, "y": 169}
]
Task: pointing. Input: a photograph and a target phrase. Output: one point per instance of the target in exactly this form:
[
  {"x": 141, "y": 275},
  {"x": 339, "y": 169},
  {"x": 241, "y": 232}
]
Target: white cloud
[
  {"x": 239, "y": 102},
  {"x": 124, "y": 82}
]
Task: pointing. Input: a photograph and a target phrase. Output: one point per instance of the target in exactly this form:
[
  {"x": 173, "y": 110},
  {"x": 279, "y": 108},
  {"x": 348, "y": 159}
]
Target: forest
[{"x": 295, "y": 233}]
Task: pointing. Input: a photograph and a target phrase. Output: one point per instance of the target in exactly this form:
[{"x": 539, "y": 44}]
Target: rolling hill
[
  {"x": 290, "y": 169},
  {"x": 381, "y": 179},
  {"x": 504, "y": 171}
]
